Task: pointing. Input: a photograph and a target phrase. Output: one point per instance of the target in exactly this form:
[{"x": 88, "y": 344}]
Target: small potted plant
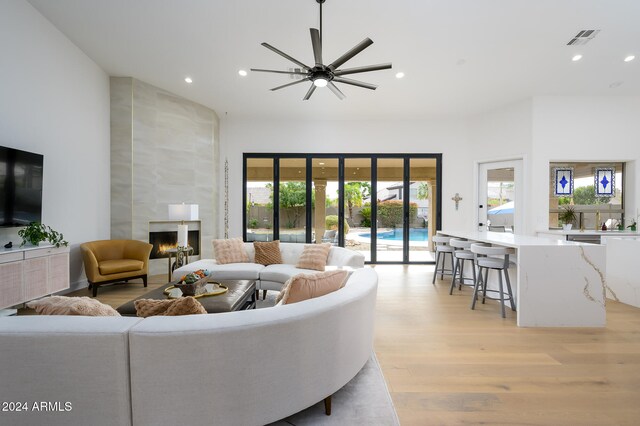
[
  {"x": 36, "y": 232},
  {"x": 567, "y": 216},
  {"x": 633, "y": 226}
]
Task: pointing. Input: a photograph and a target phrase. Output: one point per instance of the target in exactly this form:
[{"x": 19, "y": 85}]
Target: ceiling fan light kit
[{"x": 321, "y": 75}]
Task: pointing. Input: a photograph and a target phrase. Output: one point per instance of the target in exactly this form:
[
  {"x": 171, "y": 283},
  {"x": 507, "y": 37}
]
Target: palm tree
[{"x": 354, "y": 193}]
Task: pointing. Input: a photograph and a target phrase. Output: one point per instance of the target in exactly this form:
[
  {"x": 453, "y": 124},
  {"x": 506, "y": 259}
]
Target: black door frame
[{"x": 341, "y": 179}]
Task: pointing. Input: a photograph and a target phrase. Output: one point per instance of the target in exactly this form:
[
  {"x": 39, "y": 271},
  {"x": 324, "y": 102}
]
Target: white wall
[
  {"x": 540, "y": 130},
  {"x": 584, "y": 129},
  {"x": 446, "y": 137},
  {"x": 505, "y": 133},
  {"x": 55, "y": 101}
]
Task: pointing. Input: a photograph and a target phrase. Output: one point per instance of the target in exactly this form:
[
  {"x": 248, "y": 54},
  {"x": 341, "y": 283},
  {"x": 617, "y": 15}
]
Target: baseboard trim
[{"x": 78, "y": 285}]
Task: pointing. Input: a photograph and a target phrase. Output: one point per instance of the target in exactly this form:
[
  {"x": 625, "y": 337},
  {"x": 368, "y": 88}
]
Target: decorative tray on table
[
  {"x": 195, "y": 284},
  {"x": 209, "y": 289}
]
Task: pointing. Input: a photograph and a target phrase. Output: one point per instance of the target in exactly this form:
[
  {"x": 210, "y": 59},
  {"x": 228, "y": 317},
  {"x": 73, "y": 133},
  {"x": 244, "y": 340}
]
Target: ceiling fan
[{"x": 326, "y": 75}]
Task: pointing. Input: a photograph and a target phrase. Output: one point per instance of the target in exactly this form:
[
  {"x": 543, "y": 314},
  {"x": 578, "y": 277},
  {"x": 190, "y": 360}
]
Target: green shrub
[
  {"x": 366, "y": 215},
  {"x": 331, "y": 222},
  {"x": 253, "y": 223},
  {"x": 390, "y": 213}
]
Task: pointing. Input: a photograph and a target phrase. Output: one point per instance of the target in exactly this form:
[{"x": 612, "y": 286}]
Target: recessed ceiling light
[
  {"x": 399, "y": 75},
  {"x": 629, "y": 58},
  {"x": 322, "y": 164},
  {"x": 188, "y": 80},
  {"x": 242, "y": 73},
  {"x": 576, "y": 58}
]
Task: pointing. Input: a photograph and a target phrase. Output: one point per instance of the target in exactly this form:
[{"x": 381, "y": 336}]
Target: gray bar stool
[
  {"x": 461, "y": 254},
  {"x": 442, "y": 249},
  {"x": 484, "y": 264}
]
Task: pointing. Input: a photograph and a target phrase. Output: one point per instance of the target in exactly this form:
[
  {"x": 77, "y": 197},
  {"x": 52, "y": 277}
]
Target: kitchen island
[{"x": 558, "y": 283}]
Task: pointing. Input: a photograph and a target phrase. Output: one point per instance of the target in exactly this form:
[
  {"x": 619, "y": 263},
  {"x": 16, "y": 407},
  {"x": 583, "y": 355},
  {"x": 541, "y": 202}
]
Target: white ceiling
[{"x": 460, "y": 57}]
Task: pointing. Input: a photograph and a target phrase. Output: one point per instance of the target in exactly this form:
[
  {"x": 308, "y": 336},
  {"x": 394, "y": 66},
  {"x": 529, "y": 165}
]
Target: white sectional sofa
[
  {"x": 270, "y": 277},
  {"x": 238, "y": 368}
]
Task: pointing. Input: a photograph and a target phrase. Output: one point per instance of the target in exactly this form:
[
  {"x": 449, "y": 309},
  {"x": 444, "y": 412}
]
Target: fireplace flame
[{"x": 162, "y": 248}]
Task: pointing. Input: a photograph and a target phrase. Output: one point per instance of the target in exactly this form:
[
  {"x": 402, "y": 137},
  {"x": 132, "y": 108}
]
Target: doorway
[
  {"x": 385, "y": 206},
  {"x": 500, "y": 190}
]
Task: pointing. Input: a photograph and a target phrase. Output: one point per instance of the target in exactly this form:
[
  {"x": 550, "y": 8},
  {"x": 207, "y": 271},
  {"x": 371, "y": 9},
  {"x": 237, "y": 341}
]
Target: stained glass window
[
  {"x": 605, "y": 181},
  {"x": 563, "y": 182}
]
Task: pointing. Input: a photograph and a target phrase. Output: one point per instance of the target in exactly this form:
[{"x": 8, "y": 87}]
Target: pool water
[{"x": 415, "y": 234}]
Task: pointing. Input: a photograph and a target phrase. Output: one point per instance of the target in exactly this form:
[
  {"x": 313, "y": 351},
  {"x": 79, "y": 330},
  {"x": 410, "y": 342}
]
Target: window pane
[
  {"x": 259, "y": 199},
  {"x": 389, "y": 240},
  {"x": 422, "y": 177},
  {"x": 293, "y": 200},
  {"x": 325, "y": 200},
  {"x": 357, "y": 205},
  {"x": 501, "y": 200}
]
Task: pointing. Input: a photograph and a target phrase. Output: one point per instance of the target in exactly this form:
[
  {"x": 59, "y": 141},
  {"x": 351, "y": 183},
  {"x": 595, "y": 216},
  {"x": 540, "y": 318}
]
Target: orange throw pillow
[
  {"x": 268, "y": 253},
  {"x": 230, "y": 251},
  {"x": 308, "y": 286},
  {"x": 314, "y": 256}
]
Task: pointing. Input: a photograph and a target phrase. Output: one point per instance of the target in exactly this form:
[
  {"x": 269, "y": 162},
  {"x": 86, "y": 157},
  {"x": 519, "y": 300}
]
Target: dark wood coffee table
[{"x": 241, "y": 296}]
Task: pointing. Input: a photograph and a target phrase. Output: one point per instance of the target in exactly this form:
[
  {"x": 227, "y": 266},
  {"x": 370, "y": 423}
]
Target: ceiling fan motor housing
[{"x": 320, "y": 72}]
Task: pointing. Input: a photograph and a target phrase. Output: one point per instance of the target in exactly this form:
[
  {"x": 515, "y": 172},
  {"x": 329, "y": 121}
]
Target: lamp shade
[{"x": 183, "y": 211}]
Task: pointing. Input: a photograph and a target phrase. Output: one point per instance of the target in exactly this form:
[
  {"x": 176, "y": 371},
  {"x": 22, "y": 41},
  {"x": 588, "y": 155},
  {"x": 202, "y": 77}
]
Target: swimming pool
[{"x": 415, "y": 234}]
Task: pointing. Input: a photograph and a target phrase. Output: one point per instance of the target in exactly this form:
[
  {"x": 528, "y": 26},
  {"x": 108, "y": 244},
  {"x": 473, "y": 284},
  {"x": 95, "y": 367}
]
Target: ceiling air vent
[{"x": 583, "y": 37}]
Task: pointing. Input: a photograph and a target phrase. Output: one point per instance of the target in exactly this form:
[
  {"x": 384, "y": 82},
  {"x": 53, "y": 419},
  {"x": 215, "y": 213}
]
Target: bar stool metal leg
[
  {"x": 476, "y": 286},
  {"x": 501, "y": 294},
  {"x": 506, "y": 275},
  {"x": 435, "y": 272},
  {"x": 455, "y": 271},
  {"x": 484, "y": 285}
]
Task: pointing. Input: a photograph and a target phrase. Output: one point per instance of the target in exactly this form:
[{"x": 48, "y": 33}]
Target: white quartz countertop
[
  {"x": 507, "y": 239},
  {"x": 588, "y": 232}
]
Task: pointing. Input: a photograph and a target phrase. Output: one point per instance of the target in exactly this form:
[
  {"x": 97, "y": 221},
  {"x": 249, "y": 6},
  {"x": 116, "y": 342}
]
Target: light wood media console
[{"x": 32, "y": 272}]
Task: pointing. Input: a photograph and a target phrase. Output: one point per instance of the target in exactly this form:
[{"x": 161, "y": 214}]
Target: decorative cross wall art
[
  {"x": 457, "y": 198},
  {"x": 563, "y": 181},
  {"x": 605, "y": 182}
]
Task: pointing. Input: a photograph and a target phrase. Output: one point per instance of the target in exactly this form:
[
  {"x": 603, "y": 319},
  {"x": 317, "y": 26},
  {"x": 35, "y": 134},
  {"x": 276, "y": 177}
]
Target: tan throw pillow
[
  {"x": 308, "y": 286},
  {"x": 268, "y": 253},
  {"x": 182, "y": 306},
  {"x": 230, "y": 251},
  {"x": 63, "y": 305},
  {"x": 314, "y": 256}
]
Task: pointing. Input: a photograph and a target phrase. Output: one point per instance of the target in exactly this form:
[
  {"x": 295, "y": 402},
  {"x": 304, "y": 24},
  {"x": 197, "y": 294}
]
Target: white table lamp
[{"x": 183, "y": 212}]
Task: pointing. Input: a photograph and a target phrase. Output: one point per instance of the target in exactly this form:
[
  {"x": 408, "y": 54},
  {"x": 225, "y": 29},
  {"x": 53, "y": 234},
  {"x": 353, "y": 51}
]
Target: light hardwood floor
[{"x": 447, "y": 365}]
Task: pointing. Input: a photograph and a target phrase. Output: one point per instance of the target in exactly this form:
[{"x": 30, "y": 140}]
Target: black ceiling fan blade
[
  {"x": 317, "y": 45},
  {"x": 363, "y": 69},
  {"x": 280, "y": 72},
  {"x": 290, "y": 84},
  {"x": 284, "y": 55},
  {"x": 309, "y": 92},
  {"x": 336, "y": 91},
  {"x": 355, "y": 83},
  {"x": 351, "y": 53}
]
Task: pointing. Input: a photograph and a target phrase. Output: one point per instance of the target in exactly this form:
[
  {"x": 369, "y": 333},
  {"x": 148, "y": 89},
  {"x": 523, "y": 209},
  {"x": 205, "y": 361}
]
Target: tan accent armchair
[{"x": 110, "y": 261}]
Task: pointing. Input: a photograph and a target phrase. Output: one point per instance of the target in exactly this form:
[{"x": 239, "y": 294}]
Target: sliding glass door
[{"x": 385, "y": 206}]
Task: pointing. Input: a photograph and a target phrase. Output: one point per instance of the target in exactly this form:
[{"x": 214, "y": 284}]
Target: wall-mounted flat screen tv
[{"x": 20, "y": 187}]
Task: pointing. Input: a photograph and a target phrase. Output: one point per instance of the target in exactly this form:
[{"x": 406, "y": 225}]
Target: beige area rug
[{"x": 365, "y": 400}]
